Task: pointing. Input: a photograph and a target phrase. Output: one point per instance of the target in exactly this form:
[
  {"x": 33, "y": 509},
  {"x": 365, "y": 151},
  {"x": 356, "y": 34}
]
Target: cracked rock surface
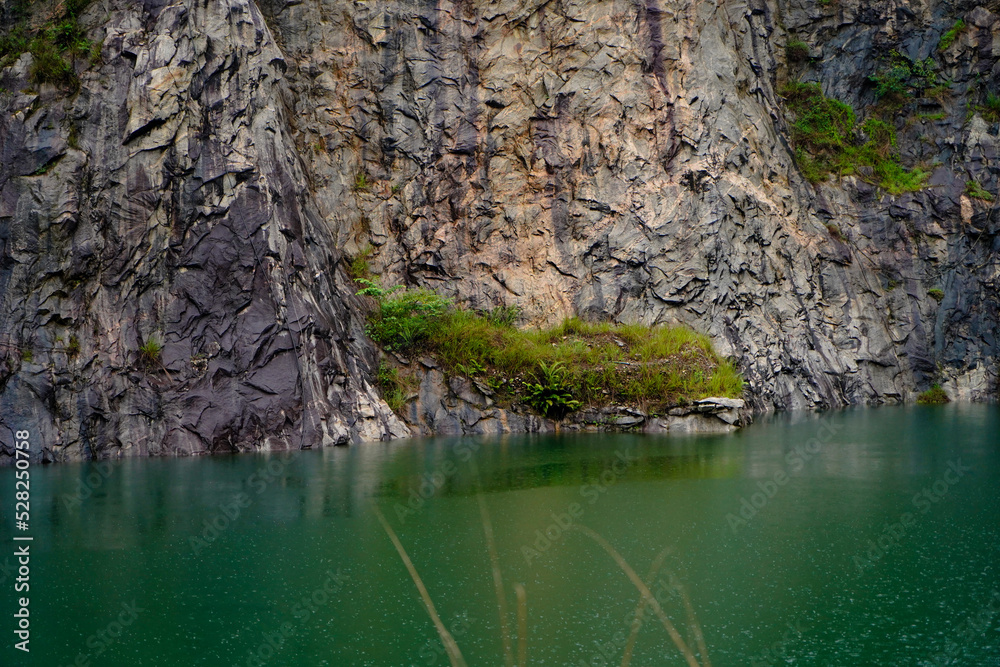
[
  {"x": 165, "y": 201},
  {"x": 633, "y": 161},
  {"x": 606, "y": 158}
]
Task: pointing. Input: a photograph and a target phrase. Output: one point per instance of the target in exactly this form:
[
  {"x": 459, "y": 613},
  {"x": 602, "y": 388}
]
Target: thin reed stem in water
[
  {"x": 644, "y": 590},
  {"x": 497, "y": 578},
  {"x": 695, "y": 627},
  {"x": 454, "y": 655},
  {"x": 522, "y": 625},
  {"x": 640, "y": 608}
]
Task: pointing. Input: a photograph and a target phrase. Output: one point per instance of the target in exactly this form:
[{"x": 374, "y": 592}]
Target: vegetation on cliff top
[
  {"x": 554, "y": 370},
  {"x": 829, "y": 140}
]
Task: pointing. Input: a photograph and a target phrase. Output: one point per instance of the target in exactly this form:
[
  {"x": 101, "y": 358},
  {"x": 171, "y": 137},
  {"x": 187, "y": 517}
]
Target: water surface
[{"x": 805, "y": 539}]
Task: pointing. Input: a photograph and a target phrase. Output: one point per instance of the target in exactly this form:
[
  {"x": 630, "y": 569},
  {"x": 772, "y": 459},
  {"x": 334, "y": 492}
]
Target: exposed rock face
[
  {"x": 632, "y": 160},
  {"x": 609, "y": 158},
  {"x": 181, "y": 214}
]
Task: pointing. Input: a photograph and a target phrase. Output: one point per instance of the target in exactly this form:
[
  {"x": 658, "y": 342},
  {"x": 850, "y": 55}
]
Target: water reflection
[{"x": 220, "y": 550}]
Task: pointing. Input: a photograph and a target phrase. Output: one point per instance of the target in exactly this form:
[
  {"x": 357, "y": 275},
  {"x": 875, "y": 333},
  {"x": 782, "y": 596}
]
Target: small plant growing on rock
[
  {"x": 936, "y": 294},
  {"x": 149, "y": 353},
  {"x": 797, "y": 51},
  {"x": 361, "y": 182},
  {"x": 975, "y": 190},
  {"x": 359, "y": 268},
  {"x": 394, "y": 387},
  {"x": 949, "y": 37},
  {"x": 73, "y": 347},
  {"x": 551, "y": 395},
  {"x": 892, "y": 82},
  {"x": 990, "y": 108},
  {"x": 835, "y": 232},
  {"x": 27, "y": 355},
  {"x": 933, "y": 396}
]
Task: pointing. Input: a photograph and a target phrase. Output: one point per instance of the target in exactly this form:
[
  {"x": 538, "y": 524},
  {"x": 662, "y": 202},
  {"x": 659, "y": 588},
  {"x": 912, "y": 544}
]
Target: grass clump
[
  {"x": 990, "y": 108},
  {"x": 933, "y": 396},
  {"x": 502, "y": 316},
  {"x": 936, "y": 293},
  {"x": 949, "y": 37},
  {"x": 797, "y": 51},
  {"x": 404, "y": 318},
  {"x": 558, "y": 369},
  {"x": 975, "y": 190},
  {"x": 149, "y": 353},
  {"x": 361, "y": 182},
  {"x": 358, "y": 268},
  {"x": 829, "y": 141},
  {"x": 73, "y": 347},
  {"x": 394, "y": 387}
]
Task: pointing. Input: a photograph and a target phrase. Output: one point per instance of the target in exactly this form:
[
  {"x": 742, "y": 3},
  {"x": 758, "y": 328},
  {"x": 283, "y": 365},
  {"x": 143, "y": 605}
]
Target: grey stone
[{"x": 608, "y": 159}]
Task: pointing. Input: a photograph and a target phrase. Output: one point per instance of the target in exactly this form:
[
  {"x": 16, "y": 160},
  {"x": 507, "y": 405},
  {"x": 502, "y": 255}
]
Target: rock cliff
[{"x": 609, "y": 158}]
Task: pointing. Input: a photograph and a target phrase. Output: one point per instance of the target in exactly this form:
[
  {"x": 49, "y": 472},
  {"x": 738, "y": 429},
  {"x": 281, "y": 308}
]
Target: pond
[{"x": 866, "y": 536}]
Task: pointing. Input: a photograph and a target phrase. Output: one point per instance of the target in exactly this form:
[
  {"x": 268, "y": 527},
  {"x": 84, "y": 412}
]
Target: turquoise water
[{"x": 805, "y": 539}]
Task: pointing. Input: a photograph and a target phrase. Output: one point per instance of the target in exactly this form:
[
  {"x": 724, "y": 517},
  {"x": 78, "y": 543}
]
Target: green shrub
[
  {"x": 73, "y": 348},
  {"x": 974, "y": 189},
  {"x": 824, "y": 132},
  {"x": 892, "y": 82},
  {"x": 27, "y": 355},
  {"x": 933, "y": 396},
  {"x": 797, "y": 51},
  {"x": 551, "y": 394},
  {"x": 949, "y": 37},
  {"x": 936, "y": 294}
]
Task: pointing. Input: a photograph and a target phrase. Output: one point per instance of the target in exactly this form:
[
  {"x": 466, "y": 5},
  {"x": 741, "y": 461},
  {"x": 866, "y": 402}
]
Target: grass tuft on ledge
[
  {"x": 557, "y": 369},
  {"x": 933, "y": 396}
]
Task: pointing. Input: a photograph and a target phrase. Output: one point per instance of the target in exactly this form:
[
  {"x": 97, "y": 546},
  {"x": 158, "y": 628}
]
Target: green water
[{"x": 306, "y": 562}]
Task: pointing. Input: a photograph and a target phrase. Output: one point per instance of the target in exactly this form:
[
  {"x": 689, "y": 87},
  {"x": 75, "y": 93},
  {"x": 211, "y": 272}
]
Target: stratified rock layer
[{"x": 606, "y": 158}]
